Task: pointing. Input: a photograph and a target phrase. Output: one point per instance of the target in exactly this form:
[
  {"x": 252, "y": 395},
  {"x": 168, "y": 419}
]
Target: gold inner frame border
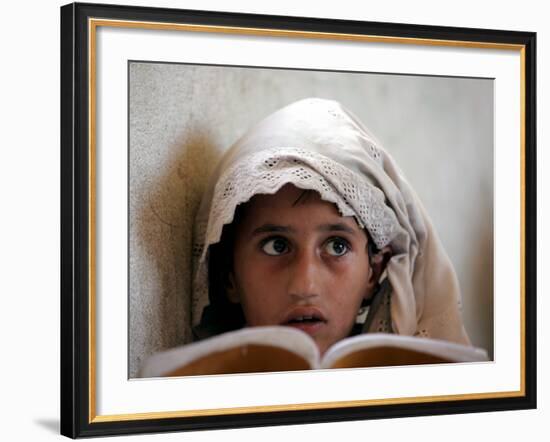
[{"x": 93, "y": 24}]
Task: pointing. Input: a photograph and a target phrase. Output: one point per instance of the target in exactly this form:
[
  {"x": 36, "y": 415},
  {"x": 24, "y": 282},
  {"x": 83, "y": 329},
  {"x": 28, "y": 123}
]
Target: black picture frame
[{"x": 77, "y": 405}]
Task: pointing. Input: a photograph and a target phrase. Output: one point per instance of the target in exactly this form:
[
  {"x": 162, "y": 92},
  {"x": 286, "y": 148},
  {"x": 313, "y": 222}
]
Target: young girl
[{"x": 308, "y": 222}]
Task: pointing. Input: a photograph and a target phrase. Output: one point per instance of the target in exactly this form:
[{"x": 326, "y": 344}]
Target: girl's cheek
[{"x": 341, "y": 265}]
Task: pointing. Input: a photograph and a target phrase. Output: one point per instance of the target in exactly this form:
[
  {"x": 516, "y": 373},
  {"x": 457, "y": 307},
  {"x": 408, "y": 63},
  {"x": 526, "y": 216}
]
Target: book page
[
  {"x": 380, "y": 349},
  {"x": 249, "y": 350}
]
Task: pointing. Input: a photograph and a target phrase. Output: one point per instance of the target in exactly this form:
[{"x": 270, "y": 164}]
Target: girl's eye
[
  {"x": 275, "y": 246},
  {"x": 337, "y": 247}
]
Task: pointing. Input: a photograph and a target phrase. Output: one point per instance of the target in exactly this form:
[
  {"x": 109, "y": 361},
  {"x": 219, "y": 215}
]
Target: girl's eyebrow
[
  {"x": 270, "y": 228},
  {"x": 338, "y": 227},
  {"x": 274, "y": 228}
]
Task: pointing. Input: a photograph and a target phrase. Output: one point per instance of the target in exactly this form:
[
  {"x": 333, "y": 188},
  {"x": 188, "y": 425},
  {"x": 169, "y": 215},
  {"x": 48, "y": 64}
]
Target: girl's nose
[{"x": 304, "y": 276}]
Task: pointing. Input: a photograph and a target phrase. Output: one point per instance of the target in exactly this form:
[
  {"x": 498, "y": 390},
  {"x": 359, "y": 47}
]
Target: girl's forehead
[
  {"x": 293, "y": 205},
  {"x": 289, "y": 196}
]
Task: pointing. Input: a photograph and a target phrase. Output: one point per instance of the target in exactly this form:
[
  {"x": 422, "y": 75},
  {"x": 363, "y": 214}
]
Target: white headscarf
[{"x": 317, "y": 144}]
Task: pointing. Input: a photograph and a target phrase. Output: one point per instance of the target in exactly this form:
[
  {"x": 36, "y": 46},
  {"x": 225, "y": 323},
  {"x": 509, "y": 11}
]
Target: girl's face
[{"x": 300, "y": 264}]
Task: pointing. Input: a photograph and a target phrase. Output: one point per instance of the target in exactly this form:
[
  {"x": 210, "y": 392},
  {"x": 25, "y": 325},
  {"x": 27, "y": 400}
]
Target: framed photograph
[{"x": 408, "y": 150}]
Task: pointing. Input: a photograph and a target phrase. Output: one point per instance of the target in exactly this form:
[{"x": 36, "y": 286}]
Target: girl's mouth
[
  {"x": 308, "y": 320},
  {"x": 304, "y": 319}
]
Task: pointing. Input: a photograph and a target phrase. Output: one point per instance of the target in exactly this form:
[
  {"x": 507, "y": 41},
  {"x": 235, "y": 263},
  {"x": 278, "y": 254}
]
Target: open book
[{"x": 278, "y": 348}]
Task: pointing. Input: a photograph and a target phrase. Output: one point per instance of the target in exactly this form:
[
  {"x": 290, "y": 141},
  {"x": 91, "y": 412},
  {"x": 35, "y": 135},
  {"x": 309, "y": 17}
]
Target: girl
[{"x": 308, "y": 222}]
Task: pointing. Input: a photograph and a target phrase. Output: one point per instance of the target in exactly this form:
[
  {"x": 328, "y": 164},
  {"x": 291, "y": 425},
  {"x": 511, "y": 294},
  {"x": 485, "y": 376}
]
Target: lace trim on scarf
[{"x": 265, "y": 172}]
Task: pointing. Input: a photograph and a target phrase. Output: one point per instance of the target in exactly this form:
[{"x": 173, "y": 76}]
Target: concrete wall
[{"x": 182, "y": 117}]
